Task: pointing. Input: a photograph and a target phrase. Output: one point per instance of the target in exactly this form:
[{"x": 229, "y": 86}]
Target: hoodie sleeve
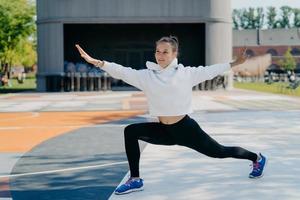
[
  {"x": 131, "y": 76},
  {"x": 201, "y": 74}
]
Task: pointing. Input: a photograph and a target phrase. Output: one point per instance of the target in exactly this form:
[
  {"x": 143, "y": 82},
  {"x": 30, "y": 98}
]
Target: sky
[{"x": 264, "y": 3}]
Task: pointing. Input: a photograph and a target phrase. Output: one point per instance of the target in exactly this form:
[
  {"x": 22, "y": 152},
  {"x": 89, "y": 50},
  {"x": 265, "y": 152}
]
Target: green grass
[
  {"x": 29, "y": 84},
  {"x": 278, "y": 88}
]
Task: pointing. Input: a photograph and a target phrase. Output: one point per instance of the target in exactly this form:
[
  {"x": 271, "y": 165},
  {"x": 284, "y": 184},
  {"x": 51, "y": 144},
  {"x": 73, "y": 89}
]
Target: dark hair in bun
[{"x": 172, "y": 40}]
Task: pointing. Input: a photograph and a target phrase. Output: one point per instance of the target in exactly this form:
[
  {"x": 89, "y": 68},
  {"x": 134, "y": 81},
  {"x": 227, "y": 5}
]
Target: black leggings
[{"x": 185, "y": 132}]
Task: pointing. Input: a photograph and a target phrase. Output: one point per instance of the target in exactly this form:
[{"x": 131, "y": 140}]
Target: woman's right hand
[
  {"x": 88, "y": 58},
  {"x": 241, "y": 58}
]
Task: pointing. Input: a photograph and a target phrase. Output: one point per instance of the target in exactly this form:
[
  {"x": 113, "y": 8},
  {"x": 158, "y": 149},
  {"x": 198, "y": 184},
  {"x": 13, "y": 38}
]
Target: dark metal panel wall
[{"x": 133, "y": 44}]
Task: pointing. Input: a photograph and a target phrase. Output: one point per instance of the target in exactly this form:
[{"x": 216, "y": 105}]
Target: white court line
[
  {"x": 62, "y": 170},
  {"x": 33, "y": 114},
  {"x": 212, "y": 133},
  {"x": 63, "y": 126},
  {"x": 101, "y": 125},
  {"x": 10, "y": 128}
]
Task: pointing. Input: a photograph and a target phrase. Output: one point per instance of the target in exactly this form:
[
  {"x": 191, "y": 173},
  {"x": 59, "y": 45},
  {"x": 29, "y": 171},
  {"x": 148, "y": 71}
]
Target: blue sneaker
[
  {"x": 258, "y": 167},
  {"x": 132, "y": 185}
]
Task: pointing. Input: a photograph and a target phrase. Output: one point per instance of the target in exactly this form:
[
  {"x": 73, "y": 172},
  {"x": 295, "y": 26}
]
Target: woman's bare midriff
[{"x": 170, "y": 119}]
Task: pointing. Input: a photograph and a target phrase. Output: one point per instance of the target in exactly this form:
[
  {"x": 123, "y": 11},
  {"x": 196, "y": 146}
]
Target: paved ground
[
  {"x": 180, "y": 173},
  {"x": 70, "y": 146}
]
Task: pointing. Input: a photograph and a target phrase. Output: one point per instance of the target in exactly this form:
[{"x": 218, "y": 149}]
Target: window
[
  {"x": 249, "y": 53},
  {"x": 295, "y": 52},
  {"x": 273, "y": 52}
]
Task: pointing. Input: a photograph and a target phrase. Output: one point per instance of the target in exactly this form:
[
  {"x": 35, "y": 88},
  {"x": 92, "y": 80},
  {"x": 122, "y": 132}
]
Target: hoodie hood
[{"x": 157, "y": 67}]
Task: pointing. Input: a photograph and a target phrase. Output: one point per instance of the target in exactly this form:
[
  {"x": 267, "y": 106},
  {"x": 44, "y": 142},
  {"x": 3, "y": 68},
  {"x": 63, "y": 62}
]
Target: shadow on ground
[{"x": 89, "y": 146}]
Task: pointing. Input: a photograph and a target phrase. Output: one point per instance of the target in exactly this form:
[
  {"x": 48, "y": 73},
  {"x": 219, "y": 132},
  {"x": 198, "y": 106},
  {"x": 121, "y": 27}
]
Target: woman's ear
[{"x": 175, "y": 54}]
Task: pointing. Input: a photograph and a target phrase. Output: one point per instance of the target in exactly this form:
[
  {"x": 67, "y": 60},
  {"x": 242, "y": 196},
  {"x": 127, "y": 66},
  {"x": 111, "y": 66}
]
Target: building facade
[
  {"x": 273, "y": 41},
  {"x": 125, "y": 31}
]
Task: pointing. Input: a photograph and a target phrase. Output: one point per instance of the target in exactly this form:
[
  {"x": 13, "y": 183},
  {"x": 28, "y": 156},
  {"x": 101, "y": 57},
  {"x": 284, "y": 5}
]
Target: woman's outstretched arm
[
  {"x": 131, "y": 76},
  {"x": 201, "y": 73}
]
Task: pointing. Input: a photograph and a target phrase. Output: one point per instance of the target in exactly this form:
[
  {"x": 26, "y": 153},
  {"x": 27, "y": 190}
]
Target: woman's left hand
[
  {"x": 87, "y": 57},
  {"x": 241, "y": 58}
]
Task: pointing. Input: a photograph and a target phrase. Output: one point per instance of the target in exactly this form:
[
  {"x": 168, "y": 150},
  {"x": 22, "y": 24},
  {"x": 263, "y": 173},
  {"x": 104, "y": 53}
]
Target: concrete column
[
  {"x": 50, "y": 52},
  {"x": 219, "y": 36},
  {"x": 219, "y": 46}
]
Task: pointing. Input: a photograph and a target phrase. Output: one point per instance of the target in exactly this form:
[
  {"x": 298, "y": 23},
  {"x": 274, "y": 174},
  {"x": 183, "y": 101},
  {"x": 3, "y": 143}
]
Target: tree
[
  {"x": 288, "y": 63},
  {"x": 16, "y": 24},
  {"x": 296, "y": 12},
  {"x": 286, "y": 13},
  {"x": 259, "y": 18},
  {"x": 271, "y": 17},
  {"x": 251, "y": 18},
  {"x": 24, "y": 54},
  {"x": 236, "y": 16},
  {"x": 242, "y": 19}
]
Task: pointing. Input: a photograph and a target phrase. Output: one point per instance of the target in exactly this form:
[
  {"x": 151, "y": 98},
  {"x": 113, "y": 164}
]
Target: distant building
[
  {"x": 125, "y": 32},
  {"x": 273, "y": 41}
]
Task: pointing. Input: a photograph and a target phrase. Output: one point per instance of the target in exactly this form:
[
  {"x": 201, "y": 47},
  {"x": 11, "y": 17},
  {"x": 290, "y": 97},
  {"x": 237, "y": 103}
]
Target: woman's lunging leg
[
  {"x": 197, "y": 139},
  {"x": 212, "y": 148},
  {"x": 151, "y": 132}
]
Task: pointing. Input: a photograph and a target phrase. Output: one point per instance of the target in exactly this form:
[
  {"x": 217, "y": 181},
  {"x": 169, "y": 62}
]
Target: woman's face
[{"x": 164, "y": 54}]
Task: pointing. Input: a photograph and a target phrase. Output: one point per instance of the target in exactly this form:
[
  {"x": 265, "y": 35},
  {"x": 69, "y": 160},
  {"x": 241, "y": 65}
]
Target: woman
[{"x": 168, "y": 88}]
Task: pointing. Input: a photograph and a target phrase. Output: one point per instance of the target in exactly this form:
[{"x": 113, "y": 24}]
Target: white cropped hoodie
[{"x": 168, "y": 90}]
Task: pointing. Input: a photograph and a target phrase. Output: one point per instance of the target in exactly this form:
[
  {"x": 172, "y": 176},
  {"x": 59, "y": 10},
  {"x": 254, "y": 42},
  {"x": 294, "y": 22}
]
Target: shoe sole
[
  {"x": 129, "y": 191},
  {"x": 262, "y": 174}
]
